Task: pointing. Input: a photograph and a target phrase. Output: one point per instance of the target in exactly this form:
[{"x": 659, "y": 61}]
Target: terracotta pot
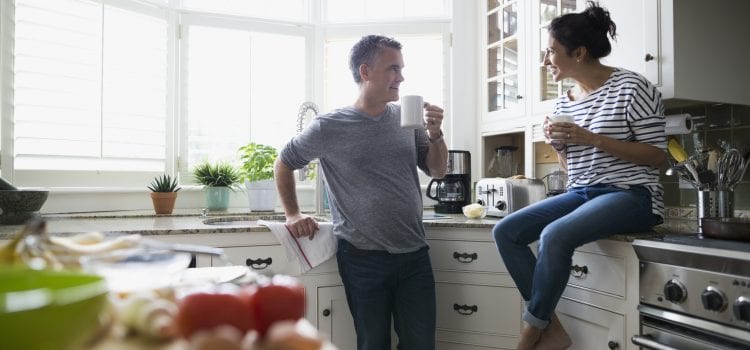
[{"x": 163, "y": 202}]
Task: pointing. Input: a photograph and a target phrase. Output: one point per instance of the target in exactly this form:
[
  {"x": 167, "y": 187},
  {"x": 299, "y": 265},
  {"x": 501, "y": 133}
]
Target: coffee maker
[{"x": 453, "y": 191}]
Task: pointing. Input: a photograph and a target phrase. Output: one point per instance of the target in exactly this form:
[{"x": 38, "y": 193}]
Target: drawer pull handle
[
  {"x": 579, "y": 271},
  {"x": 259, "y": 264},
  {"x": 465, "y": 309},
  {"x": 613, "y": 345},
  {"x": 464, "y": 257},
  {"x": 326, "y": 312}
]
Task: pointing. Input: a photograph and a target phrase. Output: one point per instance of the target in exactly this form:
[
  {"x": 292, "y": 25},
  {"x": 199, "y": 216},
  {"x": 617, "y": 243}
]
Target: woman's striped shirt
[{"x": 626, "y": 108}]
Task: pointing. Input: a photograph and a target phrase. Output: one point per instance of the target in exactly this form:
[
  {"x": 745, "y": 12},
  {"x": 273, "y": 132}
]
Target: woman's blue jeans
[
  {"x": 380, "y": 285},
  {"x": 561, "y": 224}
]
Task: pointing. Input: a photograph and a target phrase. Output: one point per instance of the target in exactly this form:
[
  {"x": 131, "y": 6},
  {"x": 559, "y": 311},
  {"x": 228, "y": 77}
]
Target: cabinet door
[
  {"x": 546, "y": 89},
  {"x": 592, "y": 328},
  {"x": 503, "y": 49},
  {"x": 637, "y": 44},
  {"x": 334, "y": 318}
]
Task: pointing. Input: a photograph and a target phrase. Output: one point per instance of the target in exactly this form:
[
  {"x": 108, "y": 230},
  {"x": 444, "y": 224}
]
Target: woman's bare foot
[
  {"x": 554, "y": 337},
  {"x": 530, "y": 336}
]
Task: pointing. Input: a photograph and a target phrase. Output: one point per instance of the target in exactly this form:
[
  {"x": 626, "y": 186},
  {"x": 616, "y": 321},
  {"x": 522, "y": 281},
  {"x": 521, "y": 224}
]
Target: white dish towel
[{"x": 308, "y": 252}]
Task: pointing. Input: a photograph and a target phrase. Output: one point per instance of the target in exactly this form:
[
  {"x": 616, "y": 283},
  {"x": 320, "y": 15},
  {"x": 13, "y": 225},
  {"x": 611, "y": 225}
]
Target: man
[{"x": 370, "y": 166}]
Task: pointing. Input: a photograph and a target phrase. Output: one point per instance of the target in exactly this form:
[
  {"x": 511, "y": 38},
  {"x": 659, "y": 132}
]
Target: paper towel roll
[{"x": 679, "y": 124}]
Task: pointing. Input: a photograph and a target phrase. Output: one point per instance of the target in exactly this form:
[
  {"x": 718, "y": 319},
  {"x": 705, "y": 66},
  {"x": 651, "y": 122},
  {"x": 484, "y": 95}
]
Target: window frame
[{"x": 98, "y": 192}]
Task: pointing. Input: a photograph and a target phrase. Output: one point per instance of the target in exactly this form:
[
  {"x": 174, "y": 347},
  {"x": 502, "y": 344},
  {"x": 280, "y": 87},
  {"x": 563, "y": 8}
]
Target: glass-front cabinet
[
  {"x": 504, "y": 59},
  {"x": 546, "y": 89}
]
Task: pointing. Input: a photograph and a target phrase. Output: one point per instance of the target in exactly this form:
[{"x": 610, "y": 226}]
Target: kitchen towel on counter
[{"x": 308, "y": 252}]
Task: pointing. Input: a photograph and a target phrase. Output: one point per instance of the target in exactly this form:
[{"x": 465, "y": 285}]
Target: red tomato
[
  {"x": 282, "y": 299},
  {"x": 203, "y": 311}
]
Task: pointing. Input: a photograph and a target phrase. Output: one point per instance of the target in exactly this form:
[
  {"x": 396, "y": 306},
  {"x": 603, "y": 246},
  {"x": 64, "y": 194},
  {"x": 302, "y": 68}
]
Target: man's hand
[
  {"x": 302, "y": 225},
  {"x": 433, "y": 118}
]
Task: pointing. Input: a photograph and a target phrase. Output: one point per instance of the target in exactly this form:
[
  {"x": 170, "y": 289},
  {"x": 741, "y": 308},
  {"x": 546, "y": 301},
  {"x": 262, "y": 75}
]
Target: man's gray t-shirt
[{"x": 370, "y": 167}]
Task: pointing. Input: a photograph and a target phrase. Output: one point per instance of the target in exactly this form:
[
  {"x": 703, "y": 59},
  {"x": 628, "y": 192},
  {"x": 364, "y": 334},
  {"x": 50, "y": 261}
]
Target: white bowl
[
  {"x": 138, "y": 269},
  {"x": 474, "y": 211}
]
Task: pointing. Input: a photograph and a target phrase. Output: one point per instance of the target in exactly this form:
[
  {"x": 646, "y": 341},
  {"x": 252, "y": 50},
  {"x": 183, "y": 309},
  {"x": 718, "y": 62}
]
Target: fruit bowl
[{"x": 41, "y": 309}]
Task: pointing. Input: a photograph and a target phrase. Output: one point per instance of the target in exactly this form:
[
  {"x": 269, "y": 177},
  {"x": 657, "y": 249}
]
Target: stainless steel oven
[{"x": 694, "y": 293}]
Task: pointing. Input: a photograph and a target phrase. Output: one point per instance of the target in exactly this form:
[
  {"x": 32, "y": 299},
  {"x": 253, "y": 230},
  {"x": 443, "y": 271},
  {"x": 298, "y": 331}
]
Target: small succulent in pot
[
  {"x": 164, "y": 183},
  {"x": 219, "y": 179},
  {"x": 163, "y": 193},
  {"x": 220, "y": 174}
]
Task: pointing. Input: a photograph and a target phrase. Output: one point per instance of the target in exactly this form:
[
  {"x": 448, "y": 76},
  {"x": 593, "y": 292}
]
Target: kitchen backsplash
[{"x": 726, "y": 122}]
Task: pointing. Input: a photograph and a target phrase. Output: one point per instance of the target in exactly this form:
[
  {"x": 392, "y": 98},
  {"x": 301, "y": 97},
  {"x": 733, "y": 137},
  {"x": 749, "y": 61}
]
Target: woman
[{"x": 612, "y": 153}]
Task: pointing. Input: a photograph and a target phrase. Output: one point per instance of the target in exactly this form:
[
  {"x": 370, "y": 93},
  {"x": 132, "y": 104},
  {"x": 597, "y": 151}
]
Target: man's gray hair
[{"x": 365, "y": 50}]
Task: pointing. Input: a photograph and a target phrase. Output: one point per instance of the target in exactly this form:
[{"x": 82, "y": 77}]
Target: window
[
  {"x": 357, "y": 11},
  {"x": 286, "y": 10},
  {"x": 105, "y": 94},
  {"x": 239, "y": 86},
  {"x": 78, "y": 68}
]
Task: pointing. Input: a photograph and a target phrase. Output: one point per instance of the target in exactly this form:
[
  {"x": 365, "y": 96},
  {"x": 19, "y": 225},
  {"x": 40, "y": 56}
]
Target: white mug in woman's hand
[{"x": 560, "y": 118}]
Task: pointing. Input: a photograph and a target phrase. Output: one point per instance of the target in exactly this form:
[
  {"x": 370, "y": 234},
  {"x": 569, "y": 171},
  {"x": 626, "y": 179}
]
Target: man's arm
[
  {"x": 437, "y": 153},
  {"x": 298, "y": 224}
]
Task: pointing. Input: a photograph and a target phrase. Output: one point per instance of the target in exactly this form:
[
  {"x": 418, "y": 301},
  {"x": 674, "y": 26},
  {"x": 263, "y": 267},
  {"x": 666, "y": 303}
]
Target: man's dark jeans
[{"x": 380, "y": 285}]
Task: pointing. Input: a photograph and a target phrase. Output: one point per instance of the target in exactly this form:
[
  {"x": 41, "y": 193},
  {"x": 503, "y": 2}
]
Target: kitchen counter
[{"x": 190, "y": 221}]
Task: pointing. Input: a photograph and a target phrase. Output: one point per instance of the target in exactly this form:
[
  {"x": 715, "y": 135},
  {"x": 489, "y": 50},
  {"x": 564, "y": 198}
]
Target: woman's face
[{"x": 557, "y": 60}]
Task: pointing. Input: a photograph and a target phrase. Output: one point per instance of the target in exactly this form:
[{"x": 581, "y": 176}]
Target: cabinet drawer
[
  {"x": 465, "y": 256},
  {"x": 478, "y": 308},
  {"x": 265, "y": 259},
  {"x": 599, "y": 272}
]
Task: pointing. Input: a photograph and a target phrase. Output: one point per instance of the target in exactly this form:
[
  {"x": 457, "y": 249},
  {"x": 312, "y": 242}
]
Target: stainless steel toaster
[{"x": 502, "y": 196}]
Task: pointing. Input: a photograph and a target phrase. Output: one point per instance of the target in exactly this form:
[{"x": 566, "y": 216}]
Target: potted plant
[
  {"x": 163, "y": 193},
  {"x": 218, "y": 180},
  {"x": 257, "y": 171}
]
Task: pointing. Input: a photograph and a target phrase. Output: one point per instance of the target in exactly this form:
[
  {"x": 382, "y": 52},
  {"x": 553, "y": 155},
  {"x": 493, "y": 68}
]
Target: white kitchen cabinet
[
  {"x": 516, "y": 87},
  {"x": 478, "y": 305},
  {"x": 263, "y": 259},
  {"x": 599, "y": 306},
  {"x": 502, "y": 63},
  {"x": 334, "y": 318},
  {"x": 690, "y": 49}
]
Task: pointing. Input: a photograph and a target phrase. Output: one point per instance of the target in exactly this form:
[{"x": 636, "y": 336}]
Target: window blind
[{"x": 89, "y": 87}]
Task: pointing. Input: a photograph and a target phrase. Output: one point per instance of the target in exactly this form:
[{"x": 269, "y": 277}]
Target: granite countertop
[{"x": 190, "y": 221}]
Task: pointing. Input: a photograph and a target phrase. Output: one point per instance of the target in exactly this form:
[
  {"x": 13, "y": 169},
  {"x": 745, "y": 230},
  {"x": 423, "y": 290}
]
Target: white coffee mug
[
  {"x": 560, "y": 118},
  {"x": 412, "y": 111}
]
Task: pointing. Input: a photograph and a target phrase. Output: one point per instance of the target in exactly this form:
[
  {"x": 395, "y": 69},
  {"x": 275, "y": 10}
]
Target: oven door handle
[{"x": 649, "y": 343}]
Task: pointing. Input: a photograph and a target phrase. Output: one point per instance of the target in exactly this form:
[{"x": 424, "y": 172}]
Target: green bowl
[{"x": 49, "y": 309}]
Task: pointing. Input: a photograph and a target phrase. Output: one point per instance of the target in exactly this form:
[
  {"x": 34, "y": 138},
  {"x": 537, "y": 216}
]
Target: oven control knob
[
  {"x": 713, "y": 299},
  {"x": 675, "y": 292},
  {"x": 480, "y": 202},
  {"x": 741, "y": 309},
  {"x": 500, "y": 205}
]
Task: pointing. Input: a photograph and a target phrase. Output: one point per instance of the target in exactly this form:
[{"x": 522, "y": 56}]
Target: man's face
[{"x": 383, "y": 76}]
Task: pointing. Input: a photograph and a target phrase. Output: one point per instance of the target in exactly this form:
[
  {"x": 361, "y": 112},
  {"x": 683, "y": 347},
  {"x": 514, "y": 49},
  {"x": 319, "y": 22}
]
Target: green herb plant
[
  {"x": 257, "y": 161},
  {"x": 164, "y": 183},
  {"x": 216, "y": 174}
]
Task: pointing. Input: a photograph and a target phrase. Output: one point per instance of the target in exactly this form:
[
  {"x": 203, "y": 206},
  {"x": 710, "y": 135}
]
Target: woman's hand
[{"x": 568, "y": 133}]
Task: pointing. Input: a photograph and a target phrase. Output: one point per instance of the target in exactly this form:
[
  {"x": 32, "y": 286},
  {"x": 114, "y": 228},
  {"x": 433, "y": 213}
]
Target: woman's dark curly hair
[{"x": 588, "y": 29}]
